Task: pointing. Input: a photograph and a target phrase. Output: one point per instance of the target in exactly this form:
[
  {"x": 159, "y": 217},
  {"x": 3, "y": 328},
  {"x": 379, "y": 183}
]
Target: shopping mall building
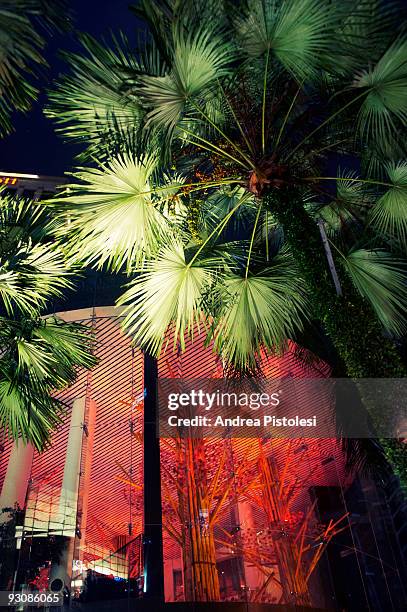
[{"x": 116, "y": 518}]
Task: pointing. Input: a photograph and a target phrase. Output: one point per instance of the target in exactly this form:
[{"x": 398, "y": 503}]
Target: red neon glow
[{"x": 225, "y": 503}]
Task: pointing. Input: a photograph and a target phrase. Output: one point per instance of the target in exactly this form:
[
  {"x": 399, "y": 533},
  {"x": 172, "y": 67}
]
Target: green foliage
[
  {"x": 91, "y": 105},
  {"x": 31, "y": 272},
  {"x": 381, "y": 279},
  {"x": 112, "y": 215},
  {"x": 300, "y": 33},
  {"x": 200, "y": 57},
  {"x": 389, "y": 212},
  {"x": 301, "y": 87},
  {"x": 37, "y": 355},
  {"x": 384, "y": 108},
  {"x": 168, "y": 294},
  {"x": 260, "y": 100},
  {"x": 21, "y": 58},
  {"x": 260, "y": 311},
  {"x": 348, "y": 319}
]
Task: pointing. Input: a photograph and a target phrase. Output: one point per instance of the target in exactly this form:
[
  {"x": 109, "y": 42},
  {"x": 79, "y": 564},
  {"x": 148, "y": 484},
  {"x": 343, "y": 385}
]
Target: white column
[
  {"x": 64, "y": 523},
  {"x": 15, "y": 484}
]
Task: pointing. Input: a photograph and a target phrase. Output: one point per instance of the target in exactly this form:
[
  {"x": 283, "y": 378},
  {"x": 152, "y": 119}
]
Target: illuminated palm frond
[
  {"x": 111, "y": 215},
  {"x": 168, "y": 294},
  {"x": 31, "y": 269},
  {"x": 37, "y": 357},
  {"x": 259, "y": 311},
  {"x": 93, "y": 96}
]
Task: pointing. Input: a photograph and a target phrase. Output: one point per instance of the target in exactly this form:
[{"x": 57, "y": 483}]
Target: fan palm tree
[
  {"x": 38, "y": 355},
  {"x": 248, "y": 163},
  {"x": 22, "y": 25}
]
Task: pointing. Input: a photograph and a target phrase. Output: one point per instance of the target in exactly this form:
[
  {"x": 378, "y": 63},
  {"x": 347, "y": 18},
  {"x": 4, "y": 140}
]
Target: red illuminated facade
[{"x": 241, "y": 519}]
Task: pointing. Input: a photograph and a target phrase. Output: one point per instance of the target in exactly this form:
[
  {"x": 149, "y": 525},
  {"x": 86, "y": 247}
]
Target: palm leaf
[
  {"x": 45, "y": 351},
  {"x": 11, "y": 293},
  {"x": 21, "y": 57},
  {"x": 21, "y": 51},
  {"x": 218, "y": 204},
  {"x": 260, "y": 311},
  {"x": 351, "y": 203},
  {"x": 33, "y": 357},
  {"x": 37, "y": 357},
  {"x": 111, "y": 217},
  {"x": 301, "y": 34},
  {"x": 27, "y": 285},
  {"x": 381, "y": 279},
  {"x": 31, "y": 272},
  {"x": 45, "y": 273},
  {"x": 168, "y": 295},
  {"x": 386, "y": 98},
  {"x": 389, "y": 214},
  {"x": 200, "y": 57},
  {"x": 368, "y": 26},
  {"x": 69, "y": 345},
  {"x": 31, "y": 418},
  {"x": 90, "y": 103},
  {"x": 50, "y": 14}
]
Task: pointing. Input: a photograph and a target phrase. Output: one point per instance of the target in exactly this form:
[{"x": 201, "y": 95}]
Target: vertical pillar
[
  {"x": 87, "y": 466},
  {"x": 65, "y": 521},
  {"x": 15, "y": 484},
  {"x": 153, "y": 542}
]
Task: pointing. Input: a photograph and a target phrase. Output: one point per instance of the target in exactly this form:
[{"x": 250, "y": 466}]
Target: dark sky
[{"x": 34, "y": 147}]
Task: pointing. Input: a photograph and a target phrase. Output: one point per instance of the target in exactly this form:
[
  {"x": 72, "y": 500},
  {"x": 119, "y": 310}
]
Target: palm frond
[
  {"x": 172, "y": 205},
  {"x": 21, "y": 59},
  {"x": 381, "y": 279},
  {"x": 377, "y": 155},
  {"x": 386, "y": 94},
  {"x": 351, "y": 203},
  {"x": 45, "y": 351},
  {"x": 200, "y": 57},
  {"x": 70, "y": 345},
  {"x": 168, "y": 295},
  {"x": 389, "y": 213},
  {"x": 217, "y": 205},
  {"x": 111, "y": 216},
  {"x": 372, "y": 22},
  {"x": 12, "y": 295},
  {"x": 31, "y": 271},
  {"x": 44, "y": 272},
  {"x": 300, "y": 33},
  {"x": 91, "y": 104},
  {"x": 33, "y": 357},
  {"x": 23, "y": 415},
  {"x": 260, "y": 311},
  {"x": 37, "y": 357},
  {"x": 21, "y": 52}
]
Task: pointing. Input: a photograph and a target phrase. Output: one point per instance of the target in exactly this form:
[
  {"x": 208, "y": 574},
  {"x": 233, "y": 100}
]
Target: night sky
[{"x": 34, "y": 147}]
